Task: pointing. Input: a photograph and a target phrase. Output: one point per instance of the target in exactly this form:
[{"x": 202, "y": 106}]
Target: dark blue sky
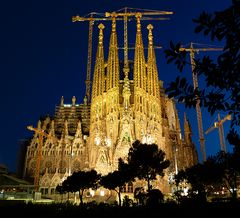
[{"x": 43, "y": 57}]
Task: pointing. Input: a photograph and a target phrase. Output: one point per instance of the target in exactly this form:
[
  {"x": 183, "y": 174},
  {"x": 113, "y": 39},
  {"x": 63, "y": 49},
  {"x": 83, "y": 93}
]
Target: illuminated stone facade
[{"x": 127, "y": 103}]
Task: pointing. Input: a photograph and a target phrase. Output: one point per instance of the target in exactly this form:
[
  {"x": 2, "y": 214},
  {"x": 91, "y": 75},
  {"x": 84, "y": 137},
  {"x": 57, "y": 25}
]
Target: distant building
[
  {"x": 3, "y": 169},
  {"x": 23, "y": 143},
  {"x": 12, "y": 187},
  {"x": 127, "y": 103}
]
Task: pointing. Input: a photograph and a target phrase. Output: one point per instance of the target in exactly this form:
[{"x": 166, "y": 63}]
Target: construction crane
[
  {"x": 41, "y": 133},
  {"x": 219, "y": 125},
  {"x": 91, "y": 20},
  {"x": 192, "y": 52},
  {"x": 125, "y": 14}
]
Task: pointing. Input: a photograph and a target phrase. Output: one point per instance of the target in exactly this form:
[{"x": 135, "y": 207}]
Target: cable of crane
[
  {"x": 142, "y": 9},
  {"x": 131, "y": 48},
  {"x": 94, "y": 13},
  {"x": 78, "y": 18},
  {"x": 201, "y": 44}
]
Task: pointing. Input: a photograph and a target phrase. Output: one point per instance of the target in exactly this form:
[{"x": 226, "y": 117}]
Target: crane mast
[
  {"x": 126, "y": 69},
  {"x": 219, "y": 125},
  {"x": 192, "y": 51},
  {"x": 89, "y": 60}
]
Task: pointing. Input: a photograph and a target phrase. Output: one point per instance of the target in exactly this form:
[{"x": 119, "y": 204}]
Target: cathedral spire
[
  {"x": 113, "y": 60},
  {"x": 139, "y": 59},
  {"x": 66, "y": 128},
  {"x": 152, "y": 73},
  {"x": 73, "y": 101},
  {"x": 62, "y": 101},
  {"x": 139, "y": 72},
  {"x": 187, "y": 130},
  {"x": 98, "y": 78},
  {"x": 126, "y": 93}
]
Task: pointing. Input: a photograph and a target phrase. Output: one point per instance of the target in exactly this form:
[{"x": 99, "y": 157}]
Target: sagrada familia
[{"x": 127, "y": 103}]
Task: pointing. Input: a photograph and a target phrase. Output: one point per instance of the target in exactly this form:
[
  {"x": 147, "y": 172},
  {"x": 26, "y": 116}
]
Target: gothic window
[
  {"x": 45, "y": 191},
  {"x": 102, "y": 159},
  {"x": 130, "y": 187},
  {"x": 76, "y": 166},
  {"x": 52, "y": 191},
  {"x": 42, "y": 190},
  {"x": 124, "y": 189},
  {"x": 49, "y": 166},
  {"x": 62, "y": 166}
]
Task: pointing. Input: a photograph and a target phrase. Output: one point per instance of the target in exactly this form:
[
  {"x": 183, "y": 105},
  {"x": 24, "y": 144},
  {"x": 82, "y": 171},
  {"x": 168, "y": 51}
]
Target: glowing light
[
  {"x": 108, "y": 142},
  {"x": 147, "y": 139},
  {"x": 102, "y": 193},
  {"x": 92, "y": 193},
  {"x": 185, "y": 191},
  {"x": 97, "y": 141}
]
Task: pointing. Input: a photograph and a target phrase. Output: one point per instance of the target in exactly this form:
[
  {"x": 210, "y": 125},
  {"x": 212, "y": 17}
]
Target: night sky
[{"x": 44, "y": 57}]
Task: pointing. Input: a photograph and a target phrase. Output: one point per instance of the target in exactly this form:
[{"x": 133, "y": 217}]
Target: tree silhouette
[
  {"x": 229, "y": 163},
  {"x": 60, "y": 190},
  {"x": 140, "y": 195},
  {"x": 155, "y": 197},
  {"x": 115, "y": 181},
  {"x": 82, "y": 180},
  {"x": 146, "y": 161},
  {"x": 202, "y": 178},
  {"x": 222, "y": 90},
  {"x": 220, "y": 170}
]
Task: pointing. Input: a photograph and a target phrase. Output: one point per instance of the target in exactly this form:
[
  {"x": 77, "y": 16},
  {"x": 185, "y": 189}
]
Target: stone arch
[
  {"x": 55, "y": 181},
  {"x": 62, "y": 166},
  {"x": 45, "y": 181},
  {"x": 49, "y": 166}
]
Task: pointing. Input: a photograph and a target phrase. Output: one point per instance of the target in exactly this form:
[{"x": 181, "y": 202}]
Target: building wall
[{"x": 128, "y": 104}]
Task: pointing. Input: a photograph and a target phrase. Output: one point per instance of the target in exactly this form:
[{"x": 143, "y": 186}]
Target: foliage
[
  {"x": 202, "y": 178},
  {"x": 140, "y": 195},
  {"x": 229, "y": 163},
  {"x": 222, "y": 91},
  {"x": 220, "y": 170},
  {"x": 60, "y": 189},
  {"x": 115, "y": 181},
  {"x": 155, "y": 198},
  {"x": 127, "y": 202},
  {"x": 146, "y": 161},
  {"x": 80, "y": 181},
  {"x": 143, "y": 162}
]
